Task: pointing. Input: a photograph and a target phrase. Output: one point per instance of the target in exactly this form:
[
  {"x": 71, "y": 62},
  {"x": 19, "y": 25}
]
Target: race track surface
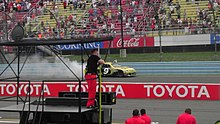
[{"x": 168, "y": 79}]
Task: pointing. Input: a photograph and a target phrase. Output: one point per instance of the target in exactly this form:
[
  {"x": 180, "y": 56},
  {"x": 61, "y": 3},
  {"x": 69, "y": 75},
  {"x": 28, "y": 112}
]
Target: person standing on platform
[
  {"x": 135, "y": 119},
  {"x": 186, "y": 118},
  {"x": 91, "y": 76},
  {"x": 145, "y": 117}
]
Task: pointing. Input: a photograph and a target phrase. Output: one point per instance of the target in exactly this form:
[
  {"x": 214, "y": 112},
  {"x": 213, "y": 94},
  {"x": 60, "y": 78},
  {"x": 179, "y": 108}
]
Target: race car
[{"x": 114, "y": 69}]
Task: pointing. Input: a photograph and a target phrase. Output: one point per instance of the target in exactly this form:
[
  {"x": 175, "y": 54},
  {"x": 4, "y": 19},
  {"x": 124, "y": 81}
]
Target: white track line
[{"x": 8, "y": 122}]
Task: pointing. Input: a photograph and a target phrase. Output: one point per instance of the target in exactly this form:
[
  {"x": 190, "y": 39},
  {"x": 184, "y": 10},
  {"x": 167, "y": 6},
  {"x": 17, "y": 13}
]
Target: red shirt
[
  {"x": 64, "y": 3},
  {"x": 186, "y": 119},
  {"x": 146, "y": 119},
  {"x": 134, "y": 120}
]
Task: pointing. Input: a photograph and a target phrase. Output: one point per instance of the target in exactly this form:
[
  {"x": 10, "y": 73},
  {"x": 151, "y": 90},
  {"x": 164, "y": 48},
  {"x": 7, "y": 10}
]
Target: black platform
[
  {"x": 47, "y": 108},
  {"x": 58, "y": 114}
]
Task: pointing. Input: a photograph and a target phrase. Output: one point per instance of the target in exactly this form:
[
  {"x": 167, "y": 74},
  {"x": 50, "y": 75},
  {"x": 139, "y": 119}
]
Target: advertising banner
[
  {"x": 183, "y": 40},
  {"x": 128, "y": 42},
  {"x": 178, "y": 91},
  {"x": 78, "y": 46},
  {"x": 215, "y": 38},
  {"x": 131, "y": 42}
]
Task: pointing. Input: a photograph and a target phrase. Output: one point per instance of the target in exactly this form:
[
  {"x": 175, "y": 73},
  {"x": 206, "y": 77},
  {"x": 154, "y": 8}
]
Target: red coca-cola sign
[{"x": 129, "y": 42}]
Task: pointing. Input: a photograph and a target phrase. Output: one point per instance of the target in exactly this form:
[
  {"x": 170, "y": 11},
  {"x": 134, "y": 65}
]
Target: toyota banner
[{"x": 178, "y": 91}]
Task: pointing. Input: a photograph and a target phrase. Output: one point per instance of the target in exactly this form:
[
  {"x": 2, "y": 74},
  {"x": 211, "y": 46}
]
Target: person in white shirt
[
  {"x": 135, "y": 19},
  {"x": 28, "y": 5},
  {"x": 127, "y": 25},
  {"x": 112, "y": 26}
]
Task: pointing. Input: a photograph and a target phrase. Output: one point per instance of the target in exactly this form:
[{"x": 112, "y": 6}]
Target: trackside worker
[
  {"x": 40, "y": 35},
  {"x": 186, "y": 118},
  {"x": 145, "y": 117},
  {"x": 91, "y": 76},
  {"x": 135, "y": 119}
]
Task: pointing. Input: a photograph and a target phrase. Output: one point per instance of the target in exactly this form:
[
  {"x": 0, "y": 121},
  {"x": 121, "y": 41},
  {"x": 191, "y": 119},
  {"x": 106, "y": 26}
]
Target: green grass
[{"x": 155, "y": 57}]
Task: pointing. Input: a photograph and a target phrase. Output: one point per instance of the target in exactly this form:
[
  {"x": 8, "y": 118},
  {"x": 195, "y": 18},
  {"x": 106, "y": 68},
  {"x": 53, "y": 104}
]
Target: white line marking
[{"x": 9, "y": 122}]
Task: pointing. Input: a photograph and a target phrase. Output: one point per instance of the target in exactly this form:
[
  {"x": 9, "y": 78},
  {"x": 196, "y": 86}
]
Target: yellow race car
[{"x": 114, "y": 69}]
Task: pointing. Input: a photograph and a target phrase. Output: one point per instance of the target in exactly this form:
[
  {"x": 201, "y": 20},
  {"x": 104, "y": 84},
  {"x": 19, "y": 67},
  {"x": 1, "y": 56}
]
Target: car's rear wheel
[{"x": 120, "y": 73}]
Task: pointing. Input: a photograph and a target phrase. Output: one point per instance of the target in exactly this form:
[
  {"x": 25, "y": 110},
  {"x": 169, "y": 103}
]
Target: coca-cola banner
[
  {"x": 181, "y": 91},
  {"x": 131, "y": 42}
]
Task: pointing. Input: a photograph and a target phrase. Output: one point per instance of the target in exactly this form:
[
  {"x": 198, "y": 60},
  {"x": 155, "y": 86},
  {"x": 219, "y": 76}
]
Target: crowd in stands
[
  {"x": 105, "y": 16},
  {"x": 190, "y": 25},
  {"x": 144, "y": 118},
  {"x": 65, "y": 25},
  {"x": 16, "y": 6}
]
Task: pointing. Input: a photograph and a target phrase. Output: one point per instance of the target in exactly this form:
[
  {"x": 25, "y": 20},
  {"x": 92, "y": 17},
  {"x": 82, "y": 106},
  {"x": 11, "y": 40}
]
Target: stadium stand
[
  {"x": 150, "y": 17},
  {"x": 14, "y": 12},
  {"x": 51, "y": 17}
]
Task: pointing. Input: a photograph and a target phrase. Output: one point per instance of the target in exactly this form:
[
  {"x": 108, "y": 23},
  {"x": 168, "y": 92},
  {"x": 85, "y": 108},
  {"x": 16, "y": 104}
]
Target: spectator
[
  {"x": 178, "y": 6},
  {"x": 75, "y": 4},
  {"x": 91, "y": 12},
  {"x": 200, "y": 15},
  {"x": 84, "y": 4},
  {"x": 135, "y": 19},
  {"x": 145, "y": 117},
  {"x": 112, "y": 26},
  {"x": 135, "y": 119},
  {"x": 172, "y": 9},
  {"x": 204, "y": 13},
  {"x": 104, "y": 27},
  {"x": 184, "y": 13},
  {"x": 124, "y": 17},
  {"x": 28, "y": 4},
  {"x": 153, "y": 24},
  {"x": 119, "y": 15},
  {"x": 64, "y": 4},
  {"x": 186, "y": 118},
  {"x": 186, "y": 30},
  {"x": 18, "y": 7},
  {"x": 178, "y": 10},
  {"x": 56, "y": 10},
  {"x": 127, "y": 25}
]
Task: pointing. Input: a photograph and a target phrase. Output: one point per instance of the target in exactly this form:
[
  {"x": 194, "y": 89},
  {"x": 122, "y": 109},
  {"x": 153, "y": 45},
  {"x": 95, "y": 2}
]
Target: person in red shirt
[
  {"x": 64, "y": 4},
  {"x": 145, "y": 117},
  {"x": 186, "y": 118},
  {"x": 135, "y": 119}
]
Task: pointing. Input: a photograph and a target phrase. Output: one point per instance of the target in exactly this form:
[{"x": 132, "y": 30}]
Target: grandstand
[
  {"x": 12, "y": 16},
  {"x": 138, "y": 18},
  {"x": 146, "y": 17}
]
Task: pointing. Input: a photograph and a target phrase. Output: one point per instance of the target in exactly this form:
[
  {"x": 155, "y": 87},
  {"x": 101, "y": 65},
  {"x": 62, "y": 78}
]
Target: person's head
[
  {"x": 143, "y": 111},
  {"x": 188, "y": 111},
  {"x": 95, "y": 52},
  {"x": 135, "y": 112}
]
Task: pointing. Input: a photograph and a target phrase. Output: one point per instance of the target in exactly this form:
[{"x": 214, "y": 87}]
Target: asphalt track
[
  {"x": 168, "y": 79},
  {"x": 162, "y": 111}
]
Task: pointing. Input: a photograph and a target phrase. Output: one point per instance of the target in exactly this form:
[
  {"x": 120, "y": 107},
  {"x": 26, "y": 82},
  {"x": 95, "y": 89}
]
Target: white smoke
[{"x": 40, "y": 68}]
